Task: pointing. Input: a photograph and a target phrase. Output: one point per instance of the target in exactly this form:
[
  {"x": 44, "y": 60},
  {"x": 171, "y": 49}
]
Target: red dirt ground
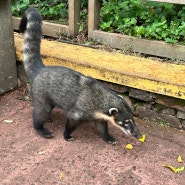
[{"x": 28, "y": 159}]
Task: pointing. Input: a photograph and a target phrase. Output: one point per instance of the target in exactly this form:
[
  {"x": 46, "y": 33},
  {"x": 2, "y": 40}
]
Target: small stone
[
  {"x": 169, "y": 111},
  {"x": 181, "y": 115},
  {"x": 183, "y": 124},
  {"x": 116, "y": 87},
  {"x": 141, "y": 95}
]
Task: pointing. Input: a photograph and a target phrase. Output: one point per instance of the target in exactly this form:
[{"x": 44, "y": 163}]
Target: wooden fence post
[
  {"x": 93, "y": 16},
  {"x": 8, "y": 73},
  {"x": 74, "y": 17}
]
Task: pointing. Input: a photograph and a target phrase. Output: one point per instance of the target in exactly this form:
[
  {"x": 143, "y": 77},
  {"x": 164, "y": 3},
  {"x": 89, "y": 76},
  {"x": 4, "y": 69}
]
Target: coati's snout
[{"x": 128, "y": 126}]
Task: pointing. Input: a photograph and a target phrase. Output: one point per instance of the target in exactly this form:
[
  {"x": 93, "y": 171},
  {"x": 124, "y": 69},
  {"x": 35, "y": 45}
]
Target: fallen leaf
[
  {"x": 129, "y": 146},
  {"x": 180, "y": 169},
  {"x": 26, "y": 98},
  {"x": 42, "y": 152},
  {"x": 142, "y": 139},
  {"x": 175, "y": 170},
  {"x": 8, "y": 121},
  {"x": 179, "y": 159},
  {"x": 61, "y": 175}
]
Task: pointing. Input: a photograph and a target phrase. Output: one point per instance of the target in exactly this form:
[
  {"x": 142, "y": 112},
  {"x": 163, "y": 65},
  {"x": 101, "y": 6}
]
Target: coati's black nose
[{"x": 138, "y": 136}]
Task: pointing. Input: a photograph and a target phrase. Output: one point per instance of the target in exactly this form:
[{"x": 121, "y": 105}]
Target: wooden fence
[
  {"x": 120, "y": 41},
  {"x": 170, "y": 1},
  {"x": 54, "y": 30},
  {"x": 8, "y": 73}
]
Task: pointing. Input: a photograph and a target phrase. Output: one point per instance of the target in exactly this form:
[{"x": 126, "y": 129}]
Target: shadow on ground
[{"x": 26, "y": 158}]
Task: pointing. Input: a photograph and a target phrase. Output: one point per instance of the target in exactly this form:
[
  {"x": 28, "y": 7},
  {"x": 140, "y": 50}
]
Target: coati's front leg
[
  {"x": 102, "y": 127},
  {"x": 69, "y": 128},
  {"x": 41, "y": 115}
]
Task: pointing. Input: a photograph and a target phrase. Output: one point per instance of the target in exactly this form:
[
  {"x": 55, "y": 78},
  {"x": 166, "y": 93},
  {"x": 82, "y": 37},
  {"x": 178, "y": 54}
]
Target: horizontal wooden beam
[{"x": 170, "y": 1}]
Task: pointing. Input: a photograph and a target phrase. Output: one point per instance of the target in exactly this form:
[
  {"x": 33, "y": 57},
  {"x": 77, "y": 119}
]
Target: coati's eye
[
  {"x": 127, "y": 123},
  {"x": 120, "y": 122}
]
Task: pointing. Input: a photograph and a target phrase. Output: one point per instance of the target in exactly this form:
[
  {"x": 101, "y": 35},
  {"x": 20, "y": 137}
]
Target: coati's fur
[{"x": 84, "y": 98}]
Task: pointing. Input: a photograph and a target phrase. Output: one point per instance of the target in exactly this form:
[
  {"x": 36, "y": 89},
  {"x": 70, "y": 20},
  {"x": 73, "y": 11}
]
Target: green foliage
[
  {"x": 55, "y": 10},
  {"x": 140, "y": 18},
  {"x": 151, "y": 20}
]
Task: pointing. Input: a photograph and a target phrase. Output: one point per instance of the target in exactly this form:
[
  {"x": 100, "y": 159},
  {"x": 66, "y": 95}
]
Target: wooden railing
[
  {"x": 54, "y": 30},
  {"x": 114, "y": 40},
  {"x": 170, "y": 1}
]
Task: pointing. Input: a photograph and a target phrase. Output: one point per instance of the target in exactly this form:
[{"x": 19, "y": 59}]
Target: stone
[
  {"x": 116, "y": 87},
  {"x": 180, "y": 115},
  {"x": 171, "y": 120},
  {"x": 169, "y": 111},
  {"x": 145, "y": 113},
  {"x": 128, "y": 100},
  {"x": 148, "y": 105},
  {"x": 176, "y": 103},
  {"x": 183, "y": 124},
  {"x": 141, "y": 95},
  {"x": 163, "y": 109},
  {"x": 152, "y": 115}
]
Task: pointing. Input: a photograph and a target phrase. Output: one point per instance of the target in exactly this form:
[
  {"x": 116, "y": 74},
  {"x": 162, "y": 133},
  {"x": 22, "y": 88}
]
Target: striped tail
[{"x": 31, "y": 26}]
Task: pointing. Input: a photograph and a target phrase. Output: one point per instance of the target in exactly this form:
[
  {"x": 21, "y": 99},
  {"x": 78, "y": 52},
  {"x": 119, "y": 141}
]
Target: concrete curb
[{"x": 144, "y": 74}]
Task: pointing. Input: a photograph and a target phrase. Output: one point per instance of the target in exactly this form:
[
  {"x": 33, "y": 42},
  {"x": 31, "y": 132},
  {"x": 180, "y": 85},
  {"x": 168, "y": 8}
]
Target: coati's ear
[
  {"x": 112, "y": 111},
  {"x": 120, "y": 96}
]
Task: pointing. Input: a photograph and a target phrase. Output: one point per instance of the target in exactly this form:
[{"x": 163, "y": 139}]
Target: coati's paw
[
  {"x": 45, "y": 133},
  {"x": 69, "y": 138},
  {"x": 110, "y": 140}
]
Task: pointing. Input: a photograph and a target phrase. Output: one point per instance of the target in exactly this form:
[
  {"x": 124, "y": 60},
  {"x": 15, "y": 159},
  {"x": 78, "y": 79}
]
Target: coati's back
[{"x": 84, "y": 98}]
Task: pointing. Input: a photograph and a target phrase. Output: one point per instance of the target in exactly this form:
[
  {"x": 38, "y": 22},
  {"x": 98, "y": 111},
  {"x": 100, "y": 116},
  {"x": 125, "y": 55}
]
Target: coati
[{"x": 84, "y": 98}]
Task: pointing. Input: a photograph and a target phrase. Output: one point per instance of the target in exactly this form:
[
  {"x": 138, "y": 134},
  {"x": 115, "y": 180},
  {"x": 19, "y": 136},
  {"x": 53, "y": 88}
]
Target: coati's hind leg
[
  {"x": 102, "y": 128},
  {"x": 41, "y": 115}
]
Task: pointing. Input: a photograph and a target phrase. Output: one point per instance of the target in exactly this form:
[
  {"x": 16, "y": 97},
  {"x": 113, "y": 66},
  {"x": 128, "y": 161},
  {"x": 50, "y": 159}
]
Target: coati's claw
[
  {"x": 71, "y": 139},
  {"x": 48, "y": 136},
  {"x": 45, "y": 133},
  {"x": 113, "y": 143},
  {"x": 110, "y": 140}
]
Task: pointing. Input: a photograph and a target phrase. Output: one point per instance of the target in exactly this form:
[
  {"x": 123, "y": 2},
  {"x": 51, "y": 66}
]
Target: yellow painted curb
[{"x": 141, "y": 73}]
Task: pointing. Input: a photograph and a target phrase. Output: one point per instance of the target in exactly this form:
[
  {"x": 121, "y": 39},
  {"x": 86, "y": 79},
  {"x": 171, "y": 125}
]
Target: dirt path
[{"x": 28, "y": 159}]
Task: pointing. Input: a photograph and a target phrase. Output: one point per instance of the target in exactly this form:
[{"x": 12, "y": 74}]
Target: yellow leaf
[
  {"x": 42, "y": 152},
  {"x": 8, "y": 121},
  {"x": 129, "y": 146},
  {"x": 171, "y": 167},
  {"x": 175, "y": 170},
  {"x": 61, "y": 175},
  {"x": 142, "y": 139},
  {"x": 180, "y": 169},
  {"x": 179, "y": 159}
]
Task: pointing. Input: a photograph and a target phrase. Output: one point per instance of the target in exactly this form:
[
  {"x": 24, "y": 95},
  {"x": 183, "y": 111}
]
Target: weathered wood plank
[
  {"x": 94, "y": 16},
  {"x": 8, "y": 73},
  {"x": 151, "y": 47},
  {"x": 74, "y": 17},
  {"x": 49, "y": 29},
  {"x": 170, "y": 1}
]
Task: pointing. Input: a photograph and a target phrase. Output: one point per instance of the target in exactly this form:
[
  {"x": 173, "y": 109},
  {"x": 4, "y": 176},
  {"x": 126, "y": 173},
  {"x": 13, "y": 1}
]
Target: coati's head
[
  {"x": 124, "y": 120},
  {"x": 122, "y": 117}
]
